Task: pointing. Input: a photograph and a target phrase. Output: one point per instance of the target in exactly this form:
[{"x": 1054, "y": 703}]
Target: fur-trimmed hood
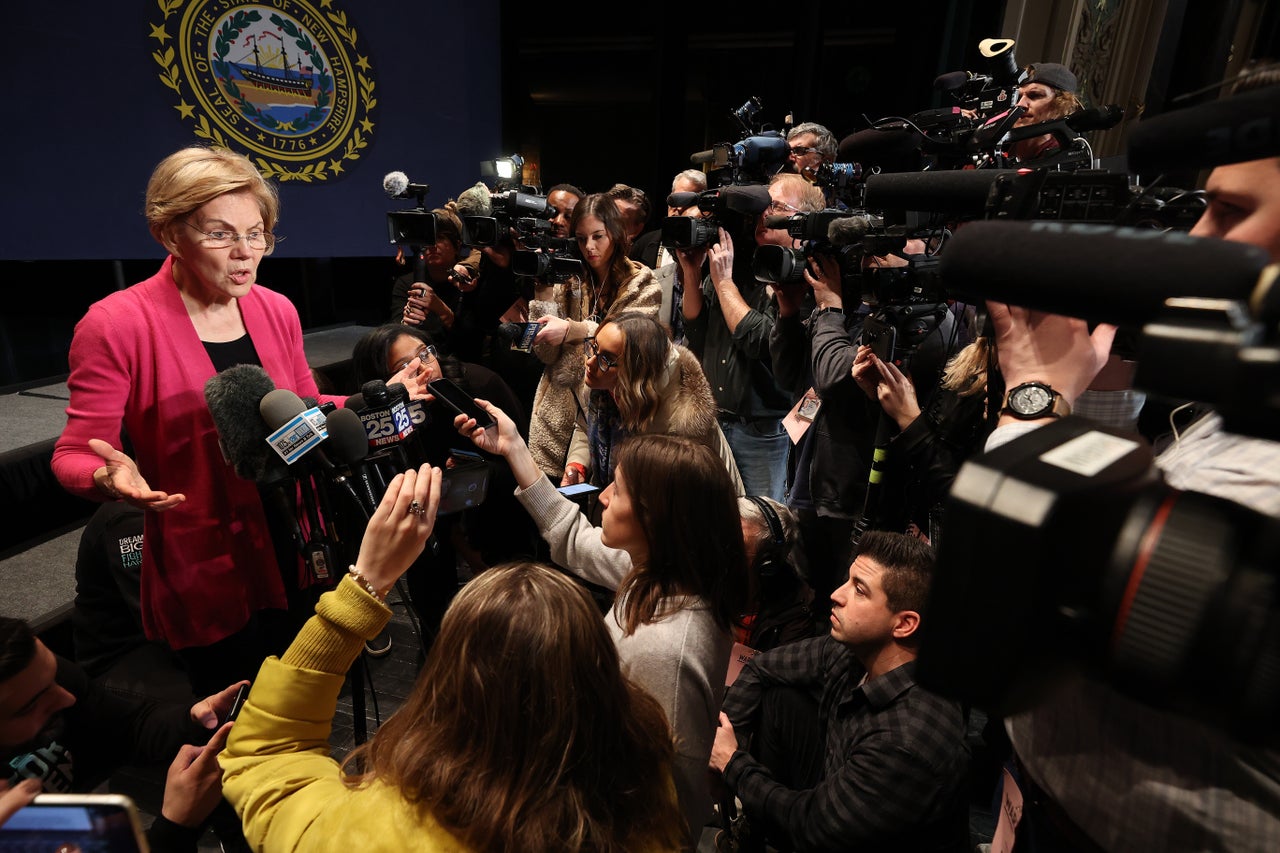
[{"x": 687, "y": 407}]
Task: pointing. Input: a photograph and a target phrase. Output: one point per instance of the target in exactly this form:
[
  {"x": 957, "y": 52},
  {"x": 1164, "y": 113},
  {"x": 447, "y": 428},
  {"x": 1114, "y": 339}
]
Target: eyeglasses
[
  {"x": 259, "y": 240},
  {"x": 607, "y": 361},
  {"x": 801, "y": 150},
  {"x": 782, "y": 208},
  {"x": 426, "y": 354}
]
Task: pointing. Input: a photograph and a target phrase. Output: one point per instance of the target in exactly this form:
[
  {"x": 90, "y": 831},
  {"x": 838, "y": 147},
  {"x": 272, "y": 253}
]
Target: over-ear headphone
[{"x": 771, "y": 558}]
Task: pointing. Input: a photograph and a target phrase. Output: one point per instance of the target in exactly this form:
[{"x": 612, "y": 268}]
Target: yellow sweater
[{"x": 276, "y": 768}]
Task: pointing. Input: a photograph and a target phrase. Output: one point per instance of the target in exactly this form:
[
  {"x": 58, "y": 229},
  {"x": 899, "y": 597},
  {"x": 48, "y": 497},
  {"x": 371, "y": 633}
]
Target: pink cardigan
[{"x": 208, "y": 563}]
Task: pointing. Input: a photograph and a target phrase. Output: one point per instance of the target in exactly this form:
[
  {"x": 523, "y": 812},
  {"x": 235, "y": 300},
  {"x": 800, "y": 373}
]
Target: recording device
[
  {"x": 448, "y": 392},
  {"x": 410, "y": 228},
  {"x": 578, "y": 490},
  {"x": 717, "y": 206},
  {"x": 237, "y": 702},
  {"x": 1231, "y": 130},
  {"x": 754, "y": 159},
  {"x": 558, "y": 264},
  {"x": 233, "y": 397},
  {"x": 465, "y": 484},
  {"x": 1169, "y": 595},
  {"x": 97, "y": 822}
]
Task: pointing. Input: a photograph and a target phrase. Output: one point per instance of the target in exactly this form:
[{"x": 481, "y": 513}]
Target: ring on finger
[{"x": 416, "y": 508}]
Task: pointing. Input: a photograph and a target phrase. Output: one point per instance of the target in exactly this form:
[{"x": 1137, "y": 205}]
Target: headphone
[{"x": 771, "y": 558}]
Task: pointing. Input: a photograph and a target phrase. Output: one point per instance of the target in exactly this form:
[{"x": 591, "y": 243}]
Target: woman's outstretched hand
[{"x": 400, "y": 526}]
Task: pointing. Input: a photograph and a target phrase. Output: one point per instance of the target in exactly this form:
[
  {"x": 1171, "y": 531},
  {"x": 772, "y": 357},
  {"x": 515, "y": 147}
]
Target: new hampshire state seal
[{"x": 283, "y": 81}]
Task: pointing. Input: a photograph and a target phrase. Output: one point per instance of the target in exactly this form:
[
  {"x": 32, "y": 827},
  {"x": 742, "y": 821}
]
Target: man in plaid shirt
[{"x": 849, "y": 753}]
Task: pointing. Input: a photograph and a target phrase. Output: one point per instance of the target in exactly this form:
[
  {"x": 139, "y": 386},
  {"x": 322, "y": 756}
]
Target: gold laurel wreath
[{"x": 319, "y": 170}]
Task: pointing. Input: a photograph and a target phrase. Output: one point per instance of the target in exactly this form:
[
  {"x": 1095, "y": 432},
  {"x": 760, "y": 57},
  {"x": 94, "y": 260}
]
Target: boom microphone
[
  {"x": 1097, "y": 118},
  {"x": 233, "y": 397},
  {"x": 893, "y": 150},
  {"x": 847, "y": 231},
  {"x": 474, "y": 201},
  {"x": 960, "y": 191},
  {"x": 1232, "y": 130},
  {"x": 951, "y": 81},
  {"x": 1054, "y": 266}
]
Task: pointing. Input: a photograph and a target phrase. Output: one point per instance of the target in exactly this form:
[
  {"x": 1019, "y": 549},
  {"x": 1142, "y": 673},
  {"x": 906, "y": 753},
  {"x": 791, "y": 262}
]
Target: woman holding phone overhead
[{"x": 570, "y": 312}]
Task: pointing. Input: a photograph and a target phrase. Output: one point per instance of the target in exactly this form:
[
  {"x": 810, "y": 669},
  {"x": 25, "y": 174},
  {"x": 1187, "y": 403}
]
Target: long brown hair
[
  {"x": 687, "y": 506},
  {"x": 640, "y": 368},
  {"x": 602, "y": 207},
  {"x": 522, "y": 733}
]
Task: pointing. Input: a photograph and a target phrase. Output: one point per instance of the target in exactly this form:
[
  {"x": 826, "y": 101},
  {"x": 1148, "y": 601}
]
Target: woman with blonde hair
[
  {"x": 639, "y": 382},
  {"x": 522, "y": 732},
  {"x": 571, "y": 312}
]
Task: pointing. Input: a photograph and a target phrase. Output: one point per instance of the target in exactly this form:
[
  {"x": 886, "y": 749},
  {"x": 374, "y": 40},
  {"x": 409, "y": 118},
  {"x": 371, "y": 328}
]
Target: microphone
[
  {"x": 1103, "y": 273},
  {"x": 397, "y": 185},
  {"x": 1097, "y": 118},
  {"x": 282, "y": 406},
  {"x": 749, "y": 199},
  {"x": 682, "y": 199},
  {"x": 776, "y": 221},
  {"x": 474, "y": 201},
  {"x": 951, "y": 81},
  {"x": 1232, "y": 130},
  {"x": 894, "y": 150},
  {"x": 703, "y": 157},
  {"x": 350, "y": 446},
  {"x": 233, "y": 397},
  {"x": 961, "y": 191},
  {"x": 386, "y": 419},
  {"x": 847, "y": 231}
]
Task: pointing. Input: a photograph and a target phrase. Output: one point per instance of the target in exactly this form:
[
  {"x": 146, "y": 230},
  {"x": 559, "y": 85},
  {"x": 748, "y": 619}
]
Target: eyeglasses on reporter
[
  {"x": 425, "y": 353},
  {"x": 606, "y": 361}
]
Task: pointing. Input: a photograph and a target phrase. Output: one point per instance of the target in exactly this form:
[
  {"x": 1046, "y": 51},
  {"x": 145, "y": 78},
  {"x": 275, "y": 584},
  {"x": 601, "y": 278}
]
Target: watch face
[{"x": 1030, "y": 400}]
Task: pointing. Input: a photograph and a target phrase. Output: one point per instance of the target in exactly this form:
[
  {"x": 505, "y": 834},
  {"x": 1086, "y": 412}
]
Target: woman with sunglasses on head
[
  {"x": 639, "y": 382},
  {"x": 671, "y": 546},
  {"x": 570, "y": 312},
  {"x": 215, "y": 586}
]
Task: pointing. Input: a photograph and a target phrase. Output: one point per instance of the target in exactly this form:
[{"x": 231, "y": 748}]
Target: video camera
[
  {"x": 755, "y": 158},
  {"x": 1170, "y": 596},
  {"x": 717, "y": 206},
  {"x": 414, "y": 228}
]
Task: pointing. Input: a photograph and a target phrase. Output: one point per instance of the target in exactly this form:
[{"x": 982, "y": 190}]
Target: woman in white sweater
[{"x": 671, "y": 546}]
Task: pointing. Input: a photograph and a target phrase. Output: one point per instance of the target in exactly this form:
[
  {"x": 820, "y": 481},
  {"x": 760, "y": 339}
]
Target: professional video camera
[
  {"x": 844, "y": 180},
  {"x": 528, "y": 214},
  {"x": 755, "y": 158},
  {"x": 414, "y": 228},
  {"x": 1171, "y": 596},
  {"x": 719, "y": 207},
  {"x": 839, "y": 233}
]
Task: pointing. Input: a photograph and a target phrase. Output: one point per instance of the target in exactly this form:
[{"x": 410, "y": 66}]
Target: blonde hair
[
  {"x": 523, "y": 733},
  {"x": 192, "y": 177},
  {"x": 967, "y": 372},
  {"x": 811, "y": 197}
]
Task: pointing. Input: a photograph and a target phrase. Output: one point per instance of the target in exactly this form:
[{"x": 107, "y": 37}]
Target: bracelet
[
  {"x": 579, "y": 467},
  {"x": 364, "y": 584},
  {"x": 830, "y": 310}
]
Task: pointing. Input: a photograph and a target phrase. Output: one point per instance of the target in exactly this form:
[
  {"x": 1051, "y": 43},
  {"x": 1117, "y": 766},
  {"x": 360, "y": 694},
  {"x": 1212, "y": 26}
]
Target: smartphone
[
  {"x": 581, "y": 490},
  {"x": 530, "y": 331},
  {"x": 106, "y": 822},
  {"x": 236, "y": 704},
  {"x": 463, "y": 486},
  {"x": 881, "y": 337},
  {"x": 460, "y": 401}
]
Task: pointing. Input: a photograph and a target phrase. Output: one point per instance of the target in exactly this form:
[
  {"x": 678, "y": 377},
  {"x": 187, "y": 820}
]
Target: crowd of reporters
[{"x": 772, "y": 488}]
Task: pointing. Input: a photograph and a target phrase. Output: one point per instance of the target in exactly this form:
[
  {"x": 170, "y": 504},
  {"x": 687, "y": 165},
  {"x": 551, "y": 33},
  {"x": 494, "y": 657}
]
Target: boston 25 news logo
[{"x": 283, "y": 81}]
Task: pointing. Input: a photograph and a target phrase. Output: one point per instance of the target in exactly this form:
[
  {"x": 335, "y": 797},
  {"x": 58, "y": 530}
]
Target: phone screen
[
  {"x": 460, "y": 401},
  {"x": 105, "y": 822},
  {"x": 463, "y": 487},
  {"x": 578, "y": 490}
]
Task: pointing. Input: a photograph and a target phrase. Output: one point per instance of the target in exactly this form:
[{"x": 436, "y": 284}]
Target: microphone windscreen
[
  {"x": 395, "y": 183},
  {"x": 776, "y": 221},
  {"x": 347, "y": 438},
  {"x": 749, "y": 199},
  {"x": 891, "y": 150},
  {"x": 846, "y": 231},
  {"x": 1097, "y": 118},
  {"x": 233, "y": 397},
  {"x": 1097, "y": 272},
  {"x": 962, "y": 191},
  {"x": 474, "y": 201},
  {"x": 682, "y": 199},
  {"x": 702, "y": 157},
  {"x": 375, "y": 392},
  {"x": 951, "y": 81},
  {"x": 279, "y": 407},
  {"x": 1232, "y": 130},
  {"x": 355, "y": 402}
]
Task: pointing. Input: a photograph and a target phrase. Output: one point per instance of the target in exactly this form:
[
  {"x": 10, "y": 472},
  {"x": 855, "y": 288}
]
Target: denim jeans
[{"x": 760, "y": 448}]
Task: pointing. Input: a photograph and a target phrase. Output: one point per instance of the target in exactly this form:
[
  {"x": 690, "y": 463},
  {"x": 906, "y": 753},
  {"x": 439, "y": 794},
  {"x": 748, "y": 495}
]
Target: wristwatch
[{"x": 1032, "y": 400}]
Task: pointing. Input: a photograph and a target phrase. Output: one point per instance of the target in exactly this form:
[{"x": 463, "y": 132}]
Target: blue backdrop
[{"x": 89, "y": 115}]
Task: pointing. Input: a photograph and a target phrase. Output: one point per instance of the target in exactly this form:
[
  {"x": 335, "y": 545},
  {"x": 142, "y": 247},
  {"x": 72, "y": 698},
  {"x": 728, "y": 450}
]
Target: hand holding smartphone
[{"x": 460, "y": 401}]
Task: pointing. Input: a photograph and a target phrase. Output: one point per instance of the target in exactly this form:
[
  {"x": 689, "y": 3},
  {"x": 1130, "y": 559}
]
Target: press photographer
[{"x": 1133, "y": 649}]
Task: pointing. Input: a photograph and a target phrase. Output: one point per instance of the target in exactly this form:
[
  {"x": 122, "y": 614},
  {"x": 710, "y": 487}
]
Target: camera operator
[
  {"x": 452, "y": 270},
  {"x": 1048, "y": 91},
  {"x": 811, "y": 145},
  {"x": 564, "y": 198},
  {"x": 650, "y": 251},
  {"x": 1099, "y": 770},
  {"x": 728, "y": 326},
  {"x": 634, "y": 206}
]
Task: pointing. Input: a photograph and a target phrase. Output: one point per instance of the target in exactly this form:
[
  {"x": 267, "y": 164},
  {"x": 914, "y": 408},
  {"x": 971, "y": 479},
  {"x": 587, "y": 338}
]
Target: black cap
[{"x": 1051, "y": 74}]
